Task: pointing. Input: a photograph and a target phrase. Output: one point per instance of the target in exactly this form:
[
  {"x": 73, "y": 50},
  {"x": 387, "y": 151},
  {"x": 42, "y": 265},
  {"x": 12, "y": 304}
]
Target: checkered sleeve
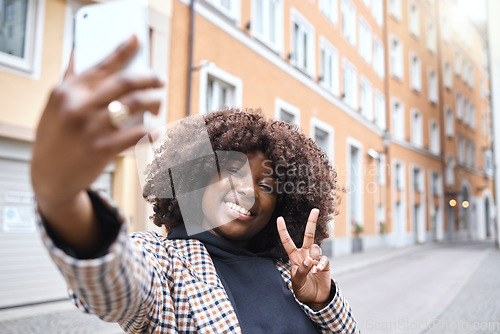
[
  {"x": 336, "y": 317},
  {"x": 123, "y": 285}
]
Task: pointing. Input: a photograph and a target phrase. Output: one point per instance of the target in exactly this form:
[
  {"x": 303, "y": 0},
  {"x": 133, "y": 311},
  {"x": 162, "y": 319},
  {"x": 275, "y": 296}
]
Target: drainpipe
[{"x": 190, "y": 61}]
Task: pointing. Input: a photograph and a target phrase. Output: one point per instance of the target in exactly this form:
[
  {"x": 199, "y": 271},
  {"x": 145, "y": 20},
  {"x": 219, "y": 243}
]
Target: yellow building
[{"x": 395, "y": 92}]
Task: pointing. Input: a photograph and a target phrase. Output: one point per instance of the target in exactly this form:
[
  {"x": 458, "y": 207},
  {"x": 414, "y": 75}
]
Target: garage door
[{"x": 27, "y": 275}]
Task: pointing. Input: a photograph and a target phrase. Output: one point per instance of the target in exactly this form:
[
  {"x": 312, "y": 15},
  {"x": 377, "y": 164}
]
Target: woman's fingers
[
  {"x": 122, "y": 83},
  {"x": 300, "y": 277},
  {"x": 140, "y": 101},
  {"x": 286, "y": 240},
  {"x": 310, "y": 229}
]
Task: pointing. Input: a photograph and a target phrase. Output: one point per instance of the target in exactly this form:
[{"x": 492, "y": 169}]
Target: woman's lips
[{"x": 237, "y": 211}]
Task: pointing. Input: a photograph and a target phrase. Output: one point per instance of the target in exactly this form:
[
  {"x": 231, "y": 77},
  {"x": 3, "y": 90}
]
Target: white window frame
[
  {"x": 417, "y": 128},
  {"x": 327, "y": 48},
  {"x": 366, "y": 98},
  {"x": 267, "y": 21},
  {"x": 414, "y": 19},
  {"x": 448, "y": 76},
  {"x": 460, "y": 149},
  {"x": 348, "y": 11},
  {"x": 378, "y": 57},
  {"x": 316, "y": 123},
  {"x": 309, "y": 31},
  {"x": 450, "y": 171},
  {"x": 30, "y": 64},
  {"x": 234, "y": 13},
  {"x": 396, "y": 58},
  {"x": 418, "y": 182},
  {"x": 459, "y": 106},
  {"x": 445, "y": 29},
  {"x": 398, "y": 130},
  {"x": 352, "y": 86},
  {"x": 458, "y": 63},
  {"x": 395, "y": 9},
  {"x": 399, "y": 175},
  {"x": 331, "y": 10},
  {"x": 379, "y": 110},
  {"x": 226, "y": 77},
  {"x": 351, "y": 142},
  {"x": 431, "y": 36},
  {"x": 433, "y": 86},
  {"x": 378, "y": 11},
  {"x": 381, "y": 169},
  {"x": 434, "y": 139},
  {"x": 450, "y": 122},
  {"x": 280, "y": 104},
  {"x": 415, "y": 72},
  {"x": 365, "y": 40}
]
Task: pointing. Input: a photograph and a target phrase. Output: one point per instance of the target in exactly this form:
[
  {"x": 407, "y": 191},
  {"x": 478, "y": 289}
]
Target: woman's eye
[{"x": 266, "y": 188}]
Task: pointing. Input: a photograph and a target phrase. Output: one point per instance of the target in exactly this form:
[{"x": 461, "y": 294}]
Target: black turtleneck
[{"x": 262, "y": 301}]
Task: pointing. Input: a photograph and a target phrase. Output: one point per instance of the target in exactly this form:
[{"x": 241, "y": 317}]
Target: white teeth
[{"x": 236, "y": 207}]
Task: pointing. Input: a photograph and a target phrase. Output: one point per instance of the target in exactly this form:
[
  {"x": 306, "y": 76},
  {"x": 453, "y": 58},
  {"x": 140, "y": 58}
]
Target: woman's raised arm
[{"x": 75, "y": 141}]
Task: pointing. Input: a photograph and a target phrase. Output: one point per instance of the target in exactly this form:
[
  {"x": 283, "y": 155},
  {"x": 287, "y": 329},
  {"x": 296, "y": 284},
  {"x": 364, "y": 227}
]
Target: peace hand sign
[{"x": 311, "y": 281}]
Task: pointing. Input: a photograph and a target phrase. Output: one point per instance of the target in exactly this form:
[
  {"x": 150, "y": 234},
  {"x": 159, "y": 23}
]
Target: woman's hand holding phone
[{"x": 76, "y": 140}]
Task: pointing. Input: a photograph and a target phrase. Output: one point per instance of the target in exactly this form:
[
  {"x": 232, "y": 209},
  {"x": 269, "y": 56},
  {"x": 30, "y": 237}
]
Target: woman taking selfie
[{"x": 263, "y": 201}]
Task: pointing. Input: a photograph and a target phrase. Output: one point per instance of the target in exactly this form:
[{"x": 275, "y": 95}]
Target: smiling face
[{"x": 241, "y": 204}]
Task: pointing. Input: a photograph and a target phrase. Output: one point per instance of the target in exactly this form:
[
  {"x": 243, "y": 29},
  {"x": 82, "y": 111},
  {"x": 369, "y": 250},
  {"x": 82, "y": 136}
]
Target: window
[
  {"x": 434, "y": 138},
  {"x": 417, "y": 184},
  {"x": 302, "y": 43},
  {"x": 414, "y": 19},
  {"x": 458, "y": 63},
  {"x": 416, "y": 128},
  {"x": 378, "y": 11},
  {"x": 472, "y": 116},
  {"x": 399, "y": 175},
  {"x": 396, "y": 57},
  {"x": 322, "y": 133},
  {"x": 415, "y": 72},
  {"x": 329, "y": 67},
  {"x": 382, "y": 226},
  {"x": 436, "y": 183},
  {"x": 286, "y": 112},
  {"x": 365, "y": 41},
  {"x": 330, "y": 9},
  {"x": 445, "y": 29},
  {"x": 447, "y": 75},
  {"x": 355, "y": 184},
  {"x": 378, "y": 57},
  {"x": 230, "y": 8},
  {"x": 267, "y": 22},
  {"x": 433, "y": 86},
  {"x": 460, "y": 149},
  {"x": 466, "y": 113},
  {"x": 350, "y": 82},
  {"x": 483, "y": 89},
  {"x": 459, "y": 106},
  {"x": 381, "y": 170},
  {"x": 488, "y": 161},
  {"x": 450, "y": 123},
  {"x": 366, "y": 99},
  {"x": 20, "y": 22},
  {"x": 398, "y": 129},
  {"x": 431, "y": 36},
  {"x": 380, "y": 110},
  {"x": 395, "y": 9},
  {"x": 349, "y": 21},
  {"x": 484, "y": 123},
  {"x": 450, "y": 171},
  {"x": 218, "y": 89},
  {"x": 473, "y": 155}
]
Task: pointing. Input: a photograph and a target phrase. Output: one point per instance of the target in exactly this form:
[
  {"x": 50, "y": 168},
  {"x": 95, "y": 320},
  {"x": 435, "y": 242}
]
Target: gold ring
[{"x": 118, "y": 113}]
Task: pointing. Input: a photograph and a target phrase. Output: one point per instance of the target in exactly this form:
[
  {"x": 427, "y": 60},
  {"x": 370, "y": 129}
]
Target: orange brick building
[{"x": 369, "y": 81}]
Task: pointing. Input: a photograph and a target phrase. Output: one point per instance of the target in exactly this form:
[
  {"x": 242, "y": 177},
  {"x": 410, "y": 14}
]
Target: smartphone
[{"x": 101, "y": 28}]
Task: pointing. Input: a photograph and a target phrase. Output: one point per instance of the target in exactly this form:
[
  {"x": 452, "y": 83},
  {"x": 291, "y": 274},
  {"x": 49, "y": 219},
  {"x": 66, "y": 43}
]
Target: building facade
[{"x": 395, "y": 92}]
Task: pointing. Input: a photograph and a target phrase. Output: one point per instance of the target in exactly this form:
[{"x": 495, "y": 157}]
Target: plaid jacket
[{"x": 149, "y": 284}]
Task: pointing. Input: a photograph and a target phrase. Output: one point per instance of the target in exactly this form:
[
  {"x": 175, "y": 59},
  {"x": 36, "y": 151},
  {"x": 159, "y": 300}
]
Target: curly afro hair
[{"x": 305, "y": 179}]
